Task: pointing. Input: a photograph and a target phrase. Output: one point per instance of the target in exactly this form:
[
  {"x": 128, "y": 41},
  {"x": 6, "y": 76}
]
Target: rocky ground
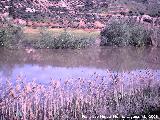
[
  {"x": 63, "y": 13},
  {"x": 55, "y": 13}
]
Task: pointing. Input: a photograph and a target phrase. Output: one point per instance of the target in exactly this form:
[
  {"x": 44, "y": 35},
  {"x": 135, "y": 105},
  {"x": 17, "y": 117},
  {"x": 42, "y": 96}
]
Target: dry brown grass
[
  {"x": 29, "y": 30},
  {"x": 76, "y": 98}
]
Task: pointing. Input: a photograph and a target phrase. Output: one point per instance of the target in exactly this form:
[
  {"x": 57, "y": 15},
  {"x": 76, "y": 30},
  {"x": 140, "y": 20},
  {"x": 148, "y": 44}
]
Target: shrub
[
  {"x": 45, "y": 40},
  {"x": 125, "y": 32},
  {"x": 68, "y": 40},
  {"x": 64, "y": 40},
  {"x": 11, "y": 36},
  {"x": 156, "y": 36}
]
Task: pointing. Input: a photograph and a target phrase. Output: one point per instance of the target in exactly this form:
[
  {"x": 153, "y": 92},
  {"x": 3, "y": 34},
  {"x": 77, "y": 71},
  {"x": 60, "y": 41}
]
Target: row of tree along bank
[{"x": 119, "y": 31}]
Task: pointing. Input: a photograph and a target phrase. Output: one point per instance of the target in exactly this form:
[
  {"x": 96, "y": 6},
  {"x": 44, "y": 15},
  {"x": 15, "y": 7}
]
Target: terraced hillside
[{"x": 70, "y": 13}]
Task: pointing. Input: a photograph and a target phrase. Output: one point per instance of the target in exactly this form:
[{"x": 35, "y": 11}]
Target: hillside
[{"x": 75, "y": 13}]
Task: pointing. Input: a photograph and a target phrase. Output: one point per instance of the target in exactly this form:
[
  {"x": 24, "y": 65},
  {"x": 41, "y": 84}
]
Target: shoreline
[
  {"x": 17, "y": 36},
  {"x": 54, "y": 38}
]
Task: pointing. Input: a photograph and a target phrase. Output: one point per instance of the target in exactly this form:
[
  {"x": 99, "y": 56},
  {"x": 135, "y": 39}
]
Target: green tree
[{"x": 12, "y": 9}]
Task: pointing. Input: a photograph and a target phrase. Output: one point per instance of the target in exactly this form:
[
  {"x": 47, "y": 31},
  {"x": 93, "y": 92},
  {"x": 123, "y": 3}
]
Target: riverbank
[
  {"x": 13, "y": 37},
  {"x": 118, "y": 32}
]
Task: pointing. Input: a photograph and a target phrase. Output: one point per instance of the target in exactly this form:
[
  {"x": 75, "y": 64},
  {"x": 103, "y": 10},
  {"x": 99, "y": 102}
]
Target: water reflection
[{"x": 65, "y": 64}]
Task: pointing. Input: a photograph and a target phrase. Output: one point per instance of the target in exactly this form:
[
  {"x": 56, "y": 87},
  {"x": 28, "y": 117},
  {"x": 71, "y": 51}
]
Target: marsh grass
[{"x": 79, "y": 98}]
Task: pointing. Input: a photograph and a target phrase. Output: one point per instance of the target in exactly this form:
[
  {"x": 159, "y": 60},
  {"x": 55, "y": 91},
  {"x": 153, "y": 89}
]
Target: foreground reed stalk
[{"x": 79, "y": 98}]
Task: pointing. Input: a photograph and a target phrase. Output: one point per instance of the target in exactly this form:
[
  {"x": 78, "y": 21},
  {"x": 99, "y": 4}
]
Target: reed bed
[{"x": 76, "y": 99}]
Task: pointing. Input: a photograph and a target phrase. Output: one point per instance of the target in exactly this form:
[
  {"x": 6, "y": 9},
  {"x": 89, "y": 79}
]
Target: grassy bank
[
  {"x": 118, "y": 32},
  {"x": 79, "y": 98},
  {"x": 12, "y": 36},
  {"x": 60, "y": 38}
]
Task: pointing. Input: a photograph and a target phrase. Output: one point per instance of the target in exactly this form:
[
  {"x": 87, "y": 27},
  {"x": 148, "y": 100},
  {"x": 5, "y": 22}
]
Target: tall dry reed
[{"x": 76, "y": 99}]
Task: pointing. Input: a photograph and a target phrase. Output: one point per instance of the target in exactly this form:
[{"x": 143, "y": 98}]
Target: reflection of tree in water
[
  {"x": 118, "y": 59},
  {"x": 154, "y": 56},
  {"x": 5, "y": 66},
  {"x": 6, "y": 70},
  {"x": 70, "y": 58},
  {"x": 129, "y": 58},
  {"x": 9, "y": 59}
]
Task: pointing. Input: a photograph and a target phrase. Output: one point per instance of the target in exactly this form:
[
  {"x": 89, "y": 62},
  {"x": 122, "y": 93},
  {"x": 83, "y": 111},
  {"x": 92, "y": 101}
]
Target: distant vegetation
[
  {"x": 60, "y": 11},
  {"x": 116, "y": 33},
  {"x": 125, "y": 33},
  {"x": 64, "y": 39},
  {"x": 13, "y": 36}
]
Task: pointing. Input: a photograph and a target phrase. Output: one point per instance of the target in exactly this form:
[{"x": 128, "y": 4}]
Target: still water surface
[{"x": 46, "y": 64}]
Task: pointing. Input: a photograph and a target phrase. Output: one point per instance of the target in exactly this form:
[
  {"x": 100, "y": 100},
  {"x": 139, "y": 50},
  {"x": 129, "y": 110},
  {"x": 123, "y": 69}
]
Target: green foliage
[
  {"x": 68, "y": 40},
  {"x": 124, "y": 33},
  {"x": 64, "y": 40},
  {"x": 11, "y": 36},
  {"x": 153, "y": 8}
]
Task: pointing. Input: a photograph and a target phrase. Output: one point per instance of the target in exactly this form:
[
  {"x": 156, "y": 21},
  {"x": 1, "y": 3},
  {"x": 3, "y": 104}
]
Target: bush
[
  {"x": 11, "y": 36},
  {"x": 68, "y": 40},
  {"x": 124, "y": 33},
  {"x": 64, "y": 40},
  {"x": 156, "y": 36}
]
